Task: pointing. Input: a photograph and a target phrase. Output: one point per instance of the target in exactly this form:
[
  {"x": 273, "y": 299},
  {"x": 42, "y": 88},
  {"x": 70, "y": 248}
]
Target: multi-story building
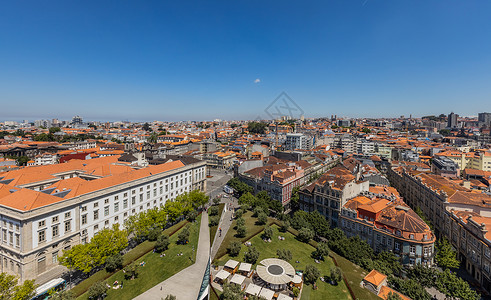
[
  {"x": 298, "y": 141},
  {"x": 330, "y": 192},
  {"x": 444, "y": 167},
  {"x": 278, "y": 180},
  {"x": 452, "y": 120},
  {"x": 456, "y": 212},
  {"x": 386, "y": 223},
  {"x": 484, "y": 119},
  {"x": 47, "y": 209}
]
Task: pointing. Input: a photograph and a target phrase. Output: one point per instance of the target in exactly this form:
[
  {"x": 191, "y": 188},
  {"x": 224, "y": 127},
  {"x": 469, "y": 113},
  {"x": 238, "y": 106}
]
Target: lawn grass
[
  {"x": 354, "y": 275},
  {"x": 213, "y": 229},
  {"x": 252, "y": 230},
  {"x": 129, "y": 257},
  {"x": 301, "y": 252},
  {"x": 156, "y": 268}
]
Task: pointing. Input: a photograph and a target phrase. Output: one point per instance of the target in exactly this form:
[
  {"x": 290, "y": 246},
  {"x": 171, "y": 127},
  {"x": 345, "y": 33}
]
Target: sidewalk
[
  {"x": 185, "y": 284},
  {"x": 224, "y": 224}
]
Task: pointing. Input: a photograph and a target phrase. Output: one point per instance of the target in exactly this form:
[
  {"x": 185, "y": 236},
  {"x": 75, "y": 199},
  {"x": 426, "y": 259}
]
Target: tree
[
  {"x": 387, "y": 263},
  {"x": 445, "y": 256},
  {"x": 409, "y": 287},
  {"x": 162, "y": 243},
  {"x": 198, "y": 198},
  {"x": 256, "y": 127},
  {"x": 284, "y": 226},
  {"x": 97, "y": 290},
  {"x": 105, "y": 243},
  {"x": 241, "y": 231},
  {"x": 154, "y": 233},
  {"x": 62, "y": 295},
  {"x": 305, "y": 235},
  {"x": 251, "y": 255},
  {"x": 216, "y": 201},
  {"x": 335, "y": 275},
  {"x": 114, "y": 262},
  {"x": 213, "y": 211},
  {"x": 262, "y": 218},
  {"x": 247, "y": 198},
  {"x": 240, "y": 221},
  {"x": 214, "y": 220},
  {"x": 257, "y": 211},
  {"x": 54, "y": 130},
  {"x": 234, "y": 248},
  {"x": 393, "y": 296},
  {"x": 320, "y": 251},
  {"x": 284, "y": 254},
  {"x": 276, "y": 206},
  {"x": 146, "y": 127},
  {"x": 22, "y": 160},
  {"x": 192, "y": 215},
  {"x": 183, "y": 236},
  {"x": 294, "y": 199},
  {"x": 152, "y": 138},
  {"x": 424, "y": 275},
  {"x": 131, "y": 271},
  {"x": 455, "y": 287},
  {"x": 10, "y": 289},
  {"x": 267, "y": 233},
  {"x": 311, "y": 274},
  {"x": 231, "y": 292},
  {"x": 239, "y": 187},
  {"x": 239, "y": 213}
]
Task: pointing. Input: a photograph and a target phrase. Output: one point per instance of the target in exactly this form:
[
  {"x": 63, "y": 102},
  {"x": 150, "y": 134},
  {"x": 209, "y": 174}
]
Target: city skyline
[{"x": 149, "y": 61}]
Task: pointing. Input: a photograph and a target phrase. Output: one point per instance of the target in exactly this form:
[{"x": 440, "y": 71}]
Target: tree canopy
[{"x": 11, "y": 290}]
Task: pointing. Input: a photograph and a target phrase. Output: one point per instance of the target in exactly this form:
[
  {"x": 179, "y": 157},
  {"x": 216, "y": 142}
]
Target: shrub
[
  {"x": 97, "y": 290},
  {"x": 284, "y": 254},
  {"x": 251, "y": 255},
  {"x": 213, "y": 221},
  {"x": 114, "y": 262},
  {"x": 234, "y": 248},
  {"x": 268, "y": 232},
  {"x": 213, "y": 211},
  {"x": 311, "y": 274},
  {"x": 295, "y": 291},
  {"x": 284, "y": 226},
  {"x": 241, "y": 231},
  {"x": 305, "y": 234},
  {"x": 162, "y": 243},
  {"x": 183, "y": 236},
  {"x": 239, "y": 213}
]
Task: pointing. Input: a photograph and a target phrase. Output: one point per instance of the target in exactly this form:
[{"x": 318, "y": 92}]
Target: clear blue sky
[{"x": 198, "y": 60}]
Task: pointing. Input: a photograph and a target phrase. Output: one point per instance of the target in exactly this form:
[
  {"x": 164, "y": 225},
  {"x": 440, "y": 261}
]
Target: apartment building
[
  {"x": 47, "y": 209},
  {"x": 278, "y": 180},
  {"x": 456, "y": 212},
  {"x": 298, "y": 141},
  {"x": 386, "y": 223},
  {"x": 330, "y": 192}
]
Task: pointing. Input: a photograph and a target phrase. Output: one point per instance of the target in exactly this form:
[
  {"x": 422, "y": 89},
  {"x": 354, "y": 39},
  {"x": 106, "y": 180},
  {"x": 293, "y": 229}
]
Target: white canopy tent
[
  {"x": 237, "y": 279},
  {"x": 253, "y": 289},
  {"x": 222, "y": 275},
  {"x": 266, "y": 294}
]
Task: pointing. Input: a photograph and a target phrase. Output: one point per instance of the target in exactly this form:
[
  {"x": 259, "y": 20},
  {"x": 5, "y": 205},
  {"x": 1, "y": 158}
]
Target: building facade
[{"x": 45, "y": 210}]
